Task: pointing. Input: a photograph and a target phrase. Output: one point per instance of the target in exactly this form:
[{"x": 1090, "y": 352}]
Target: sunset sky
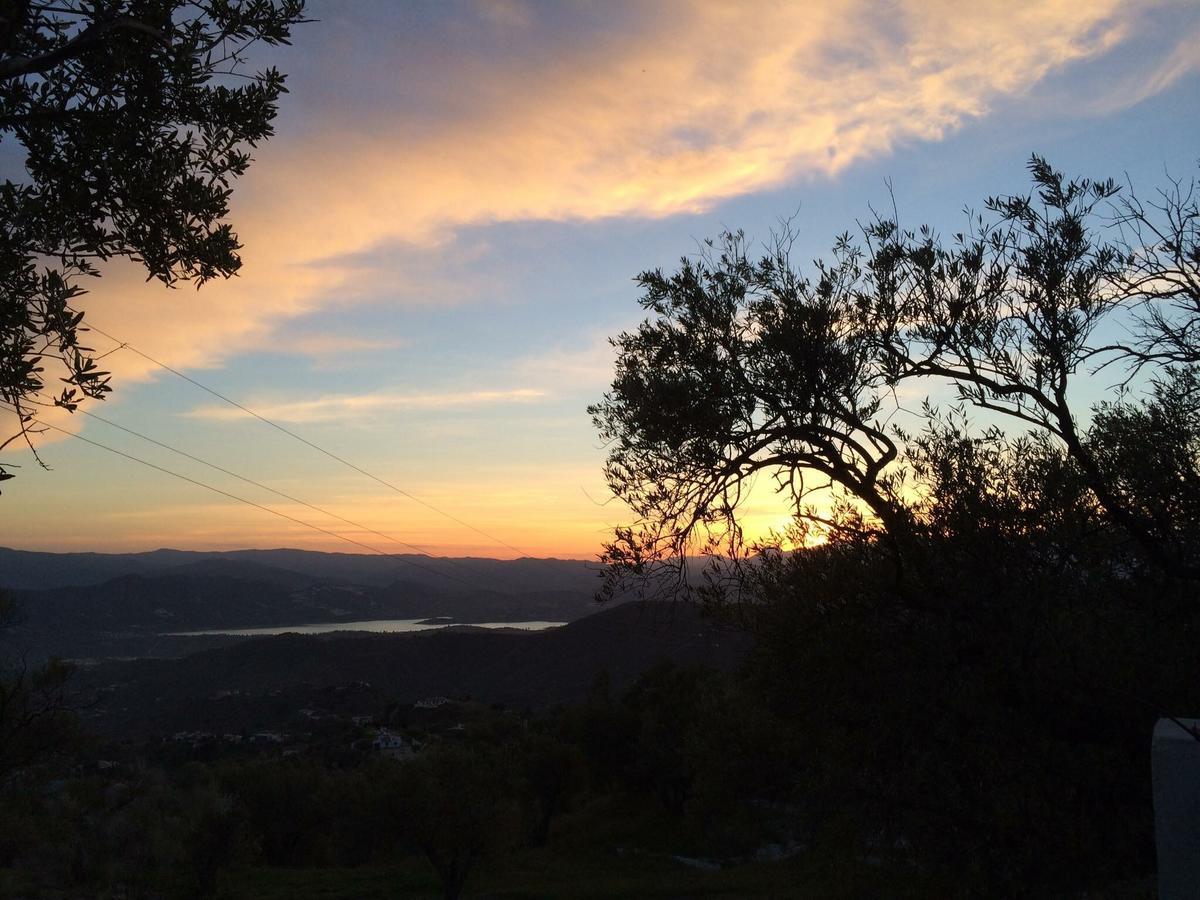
[{"x": 446, "y": 227}]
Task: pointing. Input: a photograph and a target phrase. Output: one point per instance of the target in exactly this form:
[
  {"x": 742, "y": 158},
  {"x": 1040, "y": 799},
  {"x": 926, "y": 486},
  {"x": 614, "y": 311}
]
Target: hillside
[
  {"x": 133, "y": 613},
  {"x": 262, "y": 682},
  {"x": 31, "y": 570}
]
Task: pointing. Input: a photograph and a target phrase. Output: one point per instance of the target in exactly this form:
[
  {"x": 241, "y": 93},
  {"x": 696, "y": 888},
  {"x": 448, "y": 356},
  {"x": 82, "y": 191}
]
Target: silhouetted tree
[
  {"x": 749, "y": 367},
  {"x": 133, "y": 130},
  {"x": 37, "y": 702},
  {"x": 456, "y": 806},
  {"x": 1009, "y": 311},
  {"x": 1160, "y": 240},
  {"x": 1148, "y": 451},
  {"x": 742, "y": 368},
  {"x": 550, "y": 772},
  {"x": 992, "y": 705}
]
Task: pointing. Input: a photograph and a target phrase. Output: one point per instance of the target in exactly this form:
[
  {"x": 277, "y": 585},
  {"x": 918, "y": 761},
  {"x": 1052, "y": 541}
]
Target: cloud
[
  {"x": 647, "y": 126},
  {"x": 350, "y": 407},
  {"x": 673, "y": 110},
  {"x": 1169, "y": 65},
  {"x": 327, "y": 345},
  {"x": 332, "y": 352},
  {"x": 586, "y": 367}
]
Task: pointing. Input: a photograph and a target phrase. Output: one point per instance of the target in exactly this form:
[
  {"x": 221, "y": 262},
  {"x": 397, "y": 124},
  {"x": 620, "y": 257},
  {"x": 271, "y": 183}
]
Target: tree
[
  {"x": 667, "y": 700},
  {"x": 456, "y": 806},
  {"x": 1148, "y": 451},
  {"x": 744, "y": 368},
  {"x": 1161, "y": 274},
  {"x": 549, "y": 772},
  {"x": 135, "y": 117},
  {"x": 1010, "y": 311},
  {"x": 37, "y": 703}
]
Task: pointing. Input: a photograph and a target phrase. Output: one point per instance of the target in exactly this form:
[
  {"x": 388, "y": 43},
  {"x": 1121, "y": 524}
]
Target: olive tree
[
  {"x": 745, "y": 367},
  {"x": 742, "y": 369},
  {"x": 1020, "y": 308},
  {"x": 132, "y": 119},
  {"x": 37, "y": 700}
]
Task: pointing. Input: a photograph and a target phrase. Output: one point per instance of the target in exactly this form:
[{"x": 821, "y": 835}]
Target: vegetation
[
  {"x": 37, "y": 702},
  {"x": 133, "y": 130},
  {"x": 507, "y": 797},
  {"x": 951, "y": 648},
  {"x": 957, "y": 661},
  {"x": 745, "y": 367}
]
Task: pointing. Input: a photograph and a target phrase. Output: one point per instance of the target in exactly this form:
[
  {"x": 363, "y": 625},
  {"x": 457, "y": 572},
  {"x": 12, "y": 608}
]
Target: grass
[{"x": 606, "y": 850}]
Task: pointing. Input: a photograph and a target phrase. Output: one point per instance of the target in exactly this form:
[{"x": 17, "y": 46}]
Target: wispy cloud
[
  {"x": 323, "y": 346},
  {"x": 585, "y": 367},
  {"x": 350, "y": 407},
  {"x": 632, "y": 121}
]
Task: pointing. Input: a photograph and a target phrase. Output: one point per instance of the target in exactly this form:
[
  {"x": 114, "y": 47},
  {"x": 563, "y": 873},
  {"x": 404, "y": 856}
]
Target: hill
[
  {"x": 135, "y": 612},
  {"x": 32, "y": 570},
  {"x": 262, "y": 682}
]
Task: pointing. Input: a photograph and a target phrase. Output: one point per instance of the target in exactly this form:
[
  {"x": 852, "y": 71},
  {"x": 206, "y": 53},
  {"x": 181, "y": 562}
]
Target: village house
[
  {"x": 388, "y": 743},
  {"x": 431, "y": 702}
]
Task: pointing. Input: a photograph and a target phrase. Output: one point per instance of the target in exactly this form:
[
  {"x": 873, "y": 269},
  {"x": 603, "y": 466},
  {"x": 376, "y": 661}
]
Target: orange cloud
[
  {"x": 656, "y": 126},
  {"x": 343, "y": 407},
  {"x": 707, "y": 101},
  {"x": 542, "y": 511}
]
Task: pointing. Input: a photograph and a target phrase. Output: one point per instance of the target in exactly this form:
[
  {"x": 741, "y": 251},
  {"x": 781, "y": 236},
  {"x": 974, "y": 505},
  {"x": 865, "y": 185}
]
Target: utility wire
[
  {"x": 258, "y": 484},
  {"x": 223, "y": 493},
  {"x": 317, "y": 447},
  {"x": 421, "y": 550}
]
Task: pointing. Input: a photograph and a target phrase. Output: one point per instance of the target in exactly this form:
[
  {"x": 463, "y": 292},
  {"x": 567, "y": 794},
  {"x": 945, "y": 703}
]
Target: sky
[{"x": 446, "y": 228}]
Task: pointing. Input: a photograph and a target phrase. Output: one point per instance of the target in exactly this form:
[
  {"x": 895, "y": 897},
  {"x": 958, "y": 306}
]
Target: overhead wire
[
  {"x": 278, "y": 493},
  {"x": 258, "y": 484},
  {"x": 216, "y": 490},
  {"x": 287, "y": 431}
]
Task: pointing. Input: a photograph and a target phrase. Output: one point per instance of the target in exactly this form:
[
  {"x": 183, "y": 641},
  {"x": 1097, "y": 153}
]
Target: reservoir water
[{"x": 386, "y": 626}]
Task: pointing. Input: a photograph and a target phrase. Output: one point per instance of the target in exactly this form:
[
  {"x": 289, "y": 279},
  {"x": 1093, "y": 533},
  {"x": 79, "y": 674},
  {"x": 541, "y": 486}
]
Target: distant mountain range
[
  {"x": 32, "y": 570},
  {"x": 114, "y": 613},
  {"x": 103, "y": 605}
]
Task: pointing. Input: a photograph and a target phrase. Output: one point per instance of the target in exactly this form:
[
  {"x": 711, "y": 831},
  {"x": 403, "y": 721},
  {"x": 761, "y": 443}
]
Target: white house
[
  {"x": 431, "y": 702},
  {"x": 391, "y": 744}
]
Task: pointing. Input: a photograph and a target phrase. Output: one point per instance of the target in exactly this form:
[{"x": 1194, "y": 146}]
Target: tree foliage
[
  {"x": 456, "y": 809},
  {"x": 744, "y": 367},
  {"x": 991, "y": 719},
  {"x": 37, "y": 702},
  {"x": 966, "y": 667},
  {"x": 133, "y": 119}
]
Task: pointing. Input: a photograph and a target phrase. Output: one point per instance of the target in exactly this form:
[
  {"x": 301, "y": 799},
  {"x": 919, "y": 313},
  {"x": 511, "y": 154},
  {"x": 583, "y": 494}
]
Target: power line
[
  {"x": 257, "y": 484},
  {"x": 278, "y": 493},
  {"x": 294, "y": 436},
  {"x": 267, "y": 509}
]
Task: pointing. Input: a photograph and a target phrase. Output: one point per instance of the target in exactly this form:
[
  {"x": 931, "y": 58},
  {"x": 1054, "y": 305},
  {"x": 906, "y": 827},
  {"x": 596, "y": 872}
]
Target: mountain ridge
[
  {"x": 535, "y": 669},
  {"x": 137, "y": 610},
  {"x": 41, "y": 570}
]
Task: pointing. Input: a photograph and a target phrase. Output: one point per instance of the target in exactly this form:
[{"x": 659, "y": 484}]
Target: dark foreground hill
[{"x": 263, "y": 682}]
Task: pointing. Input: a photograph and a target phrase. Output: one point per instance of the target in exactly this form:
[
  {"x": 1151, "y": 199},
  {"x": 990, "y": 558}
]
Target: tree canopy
[
  {"x": 747, "y": 367},
  {"x": 133, "y": 119}
]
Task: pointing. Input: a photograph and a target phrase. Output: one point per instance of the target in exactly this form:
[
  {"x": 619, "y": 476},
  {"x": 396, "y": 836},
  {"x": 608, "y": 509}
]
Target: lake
[{"x": 387, "y": 626}]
